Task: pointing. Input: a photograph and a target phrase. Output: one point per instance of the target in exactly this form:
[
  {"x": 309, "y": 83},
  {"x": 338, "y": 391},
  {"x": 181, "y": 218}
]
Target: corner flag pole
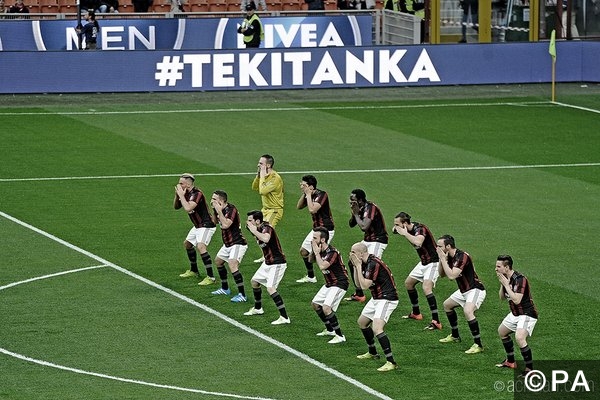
[{"x": 552, "y": 51}]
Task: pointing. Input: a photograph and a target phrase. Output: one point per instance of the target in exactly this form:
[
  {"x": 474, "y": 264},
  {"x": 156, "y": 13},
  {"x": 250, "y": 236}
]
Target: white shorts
[
  {"x": 306, "y": 245},
  {"x": 375, "y": 248},
  {"x": 329, "y": 296},
  {"x": 269, "y": 275},
  {"x": 380, "y": 309},
  {"x": 235, "y": 252},
  {"x": 519, "y": 322},
  {"x": 475, "y": 296},
  {"x": 421, "y": 272},
  {"x": 200, "y": 235}
]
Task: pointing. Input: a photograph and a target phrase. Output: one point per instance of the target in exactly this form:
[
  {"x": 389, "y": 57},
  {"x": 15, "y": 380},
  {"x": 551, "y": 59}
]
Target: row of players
[{"x": 437, "y": 258}]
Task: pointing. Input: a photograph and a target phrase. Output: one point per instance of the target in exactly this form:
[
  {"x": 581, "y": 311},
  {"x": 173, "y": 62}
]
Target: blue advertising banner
[
  {"x": 319, "y": 67},
  {"x": 188, "y": 33}
]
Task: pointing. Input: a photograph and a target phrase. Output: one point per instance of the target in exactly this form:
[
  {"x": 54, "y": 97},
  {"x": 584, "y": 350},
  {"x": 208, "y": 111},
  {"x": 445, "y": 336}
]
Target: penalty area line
[{"x": 207, "y": 309}]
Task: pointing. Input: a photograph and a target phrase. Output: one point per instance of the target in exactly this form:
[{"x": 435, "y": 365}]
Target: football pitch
[{"x": 91, "y": 302}]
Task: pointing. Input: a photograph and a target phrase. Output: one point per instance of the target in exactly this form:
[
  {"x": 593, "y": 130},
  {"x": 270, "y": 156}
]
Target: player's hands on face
[
  {"x": 440, "y": 252},
  {"x": 354, "y": 206},
  {"x": 315, "y": 246},
  {"x": 305, "y": 188},
  {"x": 263, "y": 169},
  {"x": 354, "y": 258},
  {"x": 217, "y": 205},
  {"x": 503, "y": 279},
  {"x": 400, "y": 229}
]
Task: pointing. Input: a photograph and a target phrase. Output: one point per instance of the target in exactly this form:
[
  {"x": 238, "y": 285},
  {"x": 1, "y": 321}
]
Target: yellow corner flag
[{"x": 552, "y": 48}]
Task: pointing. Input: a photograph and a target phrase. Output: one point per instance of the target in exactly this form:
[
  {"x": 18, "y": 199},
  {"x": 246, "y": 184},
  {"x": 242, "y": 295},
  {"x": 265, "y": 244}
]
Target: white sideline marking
[
  {"x": 192, "y": 302},
  {"x": 341, "y": 171},
  {"x": 577, "y": 107},
  {"x": 116, "y": 378},
  {"x": 272, "y": 109}
]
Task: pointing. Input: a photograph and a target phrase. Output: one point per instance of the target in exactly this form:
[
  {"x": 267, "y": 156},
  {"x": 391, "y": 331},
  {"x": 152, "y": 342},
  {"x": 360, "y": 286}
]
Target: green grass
[{"x": 117, "y": 168}]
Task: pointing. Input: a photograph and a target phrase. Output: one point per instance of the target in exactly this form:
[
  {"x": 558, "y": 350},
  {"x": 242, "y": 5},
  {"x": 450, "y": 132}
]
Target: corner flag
[
  {"x": 552, "y": 51},
  {"x": 552, "y": 48}
]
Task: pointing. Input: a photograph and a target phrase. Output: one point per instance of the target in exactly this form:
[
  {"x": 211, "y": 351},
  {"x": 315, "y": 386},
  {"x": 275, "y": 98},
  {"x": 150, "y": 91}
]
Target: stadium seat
[
  {"x": 34, "y": 7},
  {"x": 198, "y": 6},
  {"x": 217, "y": 5},
  {"x": 48, "y": 6},
  {"x": 125, "y": 6},
  {"x": 291, "y": 5},
  {"x": 66, "y": 6},
  {"x": 160, "y": 8},
  {"x": 331, "y": 5},
  {"x": 233, "y": 5},
  {"x": 274, "y": 5}
]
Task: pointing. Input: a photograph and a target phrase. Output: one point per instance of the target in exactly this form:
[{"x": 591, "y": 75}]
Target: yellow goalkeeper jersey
[{"x": 270, "y": 189}]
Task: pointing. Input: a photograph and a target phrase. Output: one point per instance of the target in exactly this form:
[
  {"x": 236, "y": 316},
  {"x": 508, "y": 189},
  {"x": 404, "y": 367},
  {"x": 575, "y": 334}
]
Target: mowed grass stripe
[{"x": 205, "y": 308}]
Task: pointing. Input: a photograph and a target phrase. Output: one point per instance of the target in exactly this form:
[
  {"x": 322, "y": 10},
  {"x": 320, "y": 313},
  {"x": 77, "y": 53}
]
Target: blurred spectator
[
  {"x": 315, "y": 5},
  {"x": 261, "y": 3},
  {"x": 91, "y": 5},
  {"x": 142, "y": 5},
  {"x": 391, "y": 5},
  {"x": 19, "y": 8},
  {"x": 575, "y": 5},
  {"x": 469, "y": 7},
  {"x": 108, "y": 6},
  {"x": 177, "y": 5},
  {"x": 3, "y": 9}
]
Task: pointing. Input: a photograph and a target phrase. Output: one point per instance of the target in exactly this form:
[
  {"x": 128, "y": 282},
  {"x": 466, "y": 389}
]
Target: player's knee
[
  {"x": 521, "y": 337},
  {"x": 427, "y": 286}
]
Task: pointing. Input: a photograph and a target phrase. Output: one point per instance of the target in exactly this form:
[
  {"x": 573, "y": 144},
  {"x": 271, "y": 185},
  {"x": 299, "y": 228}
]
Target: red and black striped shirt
[
  {"x": 427, "y": 252},
  {"x": 272, "y": 249},
  {"x": 376, "y": 231},
  {"x": 520, "y": 284},
  {"x": 336, "y": 274},
  {"x": 200, "y": 215},
  {"x": 383, "y": 287},
  {"x": 233, "y": 234},
  {"x": 322, "y": 217},
  {"x": 468, "y": 278}
]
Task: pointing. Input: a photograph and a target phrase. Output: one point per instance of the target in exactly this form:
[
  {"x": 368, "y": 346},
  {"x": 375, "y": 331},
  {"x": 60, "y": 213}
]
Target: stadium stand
[
  {"x": 217, "y": 5},
  {"x": 66, "y": 6},
  {"x": 198, "y": 6},
  {"x": 234, "y": 5},
  {"x": 48, "y": 6},
  {"x": 213, "y": 6},
  {"x": 292, "y": 5}
]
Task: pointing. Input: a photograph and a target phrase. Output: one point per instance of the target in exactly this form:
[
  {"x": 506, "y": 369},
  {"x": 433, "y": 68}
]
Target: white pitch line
[
  {"x": 116, "y": 378},
  {"x": 273, "y": 109},
  {"x": 209, "y": 310},
  {"x": 577, "y": 107},
  {"x": 51, "y": 276},
  {"x": 340, "y": 171}
]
